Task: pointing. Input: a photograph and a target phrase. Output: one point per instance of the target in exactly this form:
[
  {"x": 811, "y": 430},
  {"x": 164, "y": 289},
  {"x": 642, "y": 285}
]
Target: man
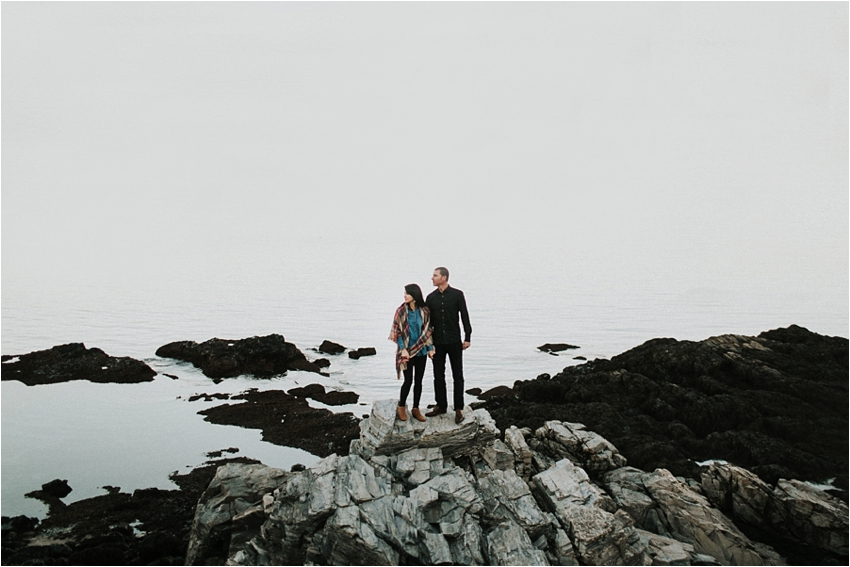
[{"x": 445, "y": 304}]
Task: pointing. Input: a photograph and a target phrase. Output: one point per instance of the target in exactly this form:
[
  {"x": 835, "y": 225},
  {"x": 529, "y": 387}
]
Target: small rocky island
[
  {"x": 257, "y": 356},
  {"x": 73, "y": 361}
]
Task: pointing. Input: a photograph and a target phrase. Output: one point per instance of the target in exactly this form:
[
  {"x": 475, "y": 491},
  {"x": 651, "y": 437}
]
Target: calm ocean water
[{"x": 133, "y": 436}]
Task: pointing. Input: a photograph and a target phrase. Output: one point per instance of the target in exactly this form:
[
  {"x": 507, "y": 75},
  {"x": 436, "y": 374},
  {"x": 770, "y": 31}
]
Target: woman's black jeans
[{"x": 413, "y": 375}]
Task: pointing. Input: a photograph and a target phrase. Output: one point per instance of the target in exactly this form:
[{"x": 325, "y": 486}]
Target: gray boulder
[
  {"x": 515, "y": 440},
  {"x": 662, "y": 504},
  {"x": 382, "y": 434},
  {"x": 233, "y": 502},
  {"x": 585, "y": 448},
  {"x": 794, "y": 510}
]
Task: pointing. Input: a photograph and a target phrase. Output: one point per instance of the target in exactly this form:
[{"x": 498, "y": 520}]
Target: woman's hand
[
  {"x": 404, "y": 355},
  {"x": 431, "y": 354}
]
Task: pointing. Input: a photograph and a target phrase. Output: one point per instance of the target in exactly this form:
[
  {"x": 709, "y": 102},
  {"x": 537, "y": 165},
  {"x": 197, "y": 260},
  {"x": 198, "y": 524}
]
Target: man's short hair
[{"x": 443, "y": 271}]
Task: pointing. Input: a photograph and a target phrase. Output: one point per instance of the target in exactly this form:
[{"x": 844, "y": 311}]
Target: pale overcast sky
[{"x": 700, "y": 138}]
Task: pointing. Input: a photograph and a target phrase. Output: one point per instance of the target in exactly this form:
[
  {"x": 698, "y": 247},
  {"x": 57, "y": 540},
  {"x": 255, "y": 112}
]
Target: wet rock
[
  {"x": 474, "y": 391},
  {"x": 288, "y": 421},
  {"x": 322, "y": 362},
  {"x": 556, "y": 347},
  {"x": 329, "y": 347},
  {"x": 360, "y": 352},
  {"x": 73, "y": 361},
  {"x": 263, "y": 357},
  {"x": 332, "y": 398}
]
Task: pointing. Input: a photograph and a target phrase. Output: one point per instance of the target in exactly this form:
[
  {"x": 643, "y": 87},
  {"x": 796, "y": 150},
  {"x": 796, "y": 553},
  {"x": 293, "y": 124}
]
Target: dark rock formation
[
  {"x": 556, "y": 347},
  {"x": 497, "y": 392},
  {"x": 322, "y": 362},
  {"x": 97, "y": 531},
  {"x": 209, "y": 397},
  {"x": 258, "y": 356},
  {"x": 51, "y": 493},
  {"x": 73, "y": 361},
  {"x": 474, "y": 391},
  {"x": 365, "y": 351},
  {"x": 332, "y": 398},
  {"x": 776, "y": 404},
  {"x": 329, "y": 347},
  {"x": 289, "y": 421},
  {"x": 58, "y": 488}
]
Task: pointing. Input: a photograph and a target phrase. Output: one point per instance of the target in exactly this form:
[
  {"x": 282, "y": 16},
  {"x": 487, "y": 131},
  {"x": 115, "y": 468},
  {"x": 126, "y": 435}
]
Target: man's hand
[{"x": 465, "y": 345}]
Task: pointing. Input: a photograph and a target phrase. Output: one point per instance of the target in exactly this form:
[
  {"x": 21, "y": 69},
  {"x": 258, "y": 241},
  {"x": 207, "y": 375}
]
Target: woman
[{"x": 412, "y": 334}]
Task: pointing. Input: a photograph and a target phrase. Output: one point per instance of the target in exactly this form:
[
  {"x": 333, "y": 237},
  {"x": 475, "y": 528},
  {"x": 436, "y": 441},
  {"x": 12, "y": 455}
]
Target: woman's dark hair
[{"x": 413, "y": 290}]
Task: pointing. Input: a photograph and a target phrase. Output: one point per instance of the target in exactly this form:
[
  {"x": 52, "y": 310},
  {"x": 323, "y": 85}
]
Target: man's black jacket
[{"x": 445, "y": 307}]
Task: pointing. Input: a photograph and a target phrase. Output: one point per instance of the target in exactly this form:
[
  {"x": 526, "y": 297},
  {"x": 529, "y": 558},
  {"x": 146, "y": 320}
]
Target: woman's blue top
[{"x": 414, "y": 323}]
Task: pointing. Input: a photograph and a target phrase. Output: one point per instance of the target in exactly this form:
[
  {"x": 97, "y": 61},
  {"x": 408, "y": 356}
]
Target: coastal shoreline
[{"x": 626, "y": 399}]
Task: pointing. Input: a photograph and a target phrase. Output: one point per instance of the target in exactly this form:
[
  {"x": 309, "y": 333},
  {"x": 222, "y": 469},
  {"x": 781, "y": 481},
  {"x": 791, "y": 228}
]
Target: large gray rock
[
  {"x": 397, "y": 499},
  {"x": 515, "y": 440},
  {"x": 665, "y": 505},
  {"x": 795, "y": 510},
  {"x": 383, "y": 434},
  {"x": 233, "y": 500},
  {"x": 508, "y": 544},
  {"x": 738, "y": 493},
  {"x": 599, "y": 536},
  {"x": 810, "y": 515},
  {"x": 565, "y": 484},
  {"x": 585, "y": 448},
  {"x": 507, "y": 498}
]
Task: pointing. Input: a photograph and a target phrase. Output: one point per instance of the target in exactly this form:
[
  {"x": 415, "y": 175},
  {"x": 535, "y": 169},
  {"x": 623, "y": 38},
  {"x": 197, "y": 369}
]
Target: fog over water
[{"x": 593, "y": 173}]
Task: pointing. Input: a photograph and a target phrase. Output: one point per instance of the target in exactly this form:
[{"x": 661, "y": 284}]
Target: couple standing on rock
[{"x": 431, "y": 327}]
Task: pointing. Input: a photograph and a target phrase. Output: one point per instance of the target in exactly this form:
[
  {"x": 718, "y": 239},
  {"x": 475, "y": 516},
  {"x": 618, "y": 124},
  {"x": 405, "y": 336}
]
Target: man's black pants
[{"x": 455, "y": 353}]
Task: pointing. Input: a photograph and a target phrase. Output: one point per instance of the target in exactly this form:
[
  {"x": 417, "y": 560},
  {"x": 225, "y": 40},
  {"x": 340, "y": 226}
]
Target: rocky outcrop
[
  {"x": 660, "y": 503},
  {"x": 73, "y": 361},
  {"x": 584, "y": 448},
  {"x": 775, "y": 404},
  {"x": 556, "y": 347},
  {"x": 360, "y": 352},
  {"x": 287, "y": 420},
  {"x": 258, "y": 356},
  {"x": 329, "y": 347},
  {"x": 148, "y": 527},
  {"x": 332, "y": 398},
  {"x": 383, "y": 434},
  {"x": 794, "y": 510},
  {"x": 428, "y": 494}
]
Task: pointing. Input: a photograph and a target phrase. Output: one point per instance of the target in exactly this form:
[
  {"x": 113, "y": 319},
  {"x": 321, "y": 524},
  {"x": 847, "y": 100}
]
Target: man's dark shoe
[
  {"x": 458, "y": 416},
  {"x": 436, "y": 411}
]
